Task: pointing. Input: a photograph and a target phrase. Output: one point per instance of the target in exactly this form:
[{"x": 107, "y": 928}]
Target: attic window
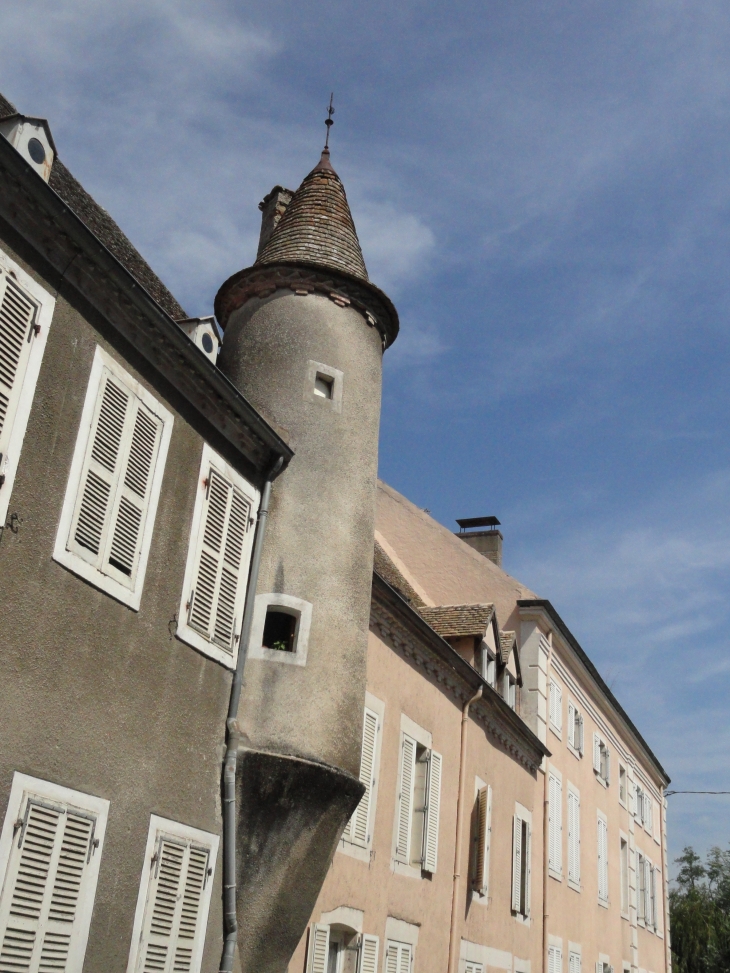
[
  {"x": 324, "y": 385},
  {"x": 279, "y": 630},
  {"x": 36, "y": 151}
]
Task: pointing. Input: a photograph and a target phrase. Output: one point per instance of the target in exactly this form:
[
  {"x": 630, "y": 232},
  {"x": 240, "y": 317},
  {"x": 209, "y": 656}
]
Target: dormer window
[
  {"x": 32, "y": 138},
  {"x": 509, "y": 689},
  {"x": 490, "y": 668}
]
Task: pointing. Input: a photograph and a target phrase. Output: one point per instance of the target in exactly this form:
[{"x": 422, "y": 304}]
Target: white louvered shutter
[
  {"x": 357, "y": 829},
  {"x": 17, "y": 317},
  {"x": 173, "y": 909},
  {"x": 648, "y": 813},
  {"x": 368, "y": 954},
  {"x": 658, "y": 901},
  {"x": 579, "y": 734},
  {"x": 555, "y": 824},
  {"x": 649, "y": 910},
  {"x": 527, "y": 852},
  {"x": 574, "y": 963},
  {"x": 573, "y": 837},
  {"x": 319, "y": 946},
  {"x": 116, "y": 481},
  {"x": 405, "y": 800},
  {"x": 608, "y": 764},
  {"x": 640, "y": 887},
  {"x": 555, "y": 959},
  {"x": 44, "y": 888},
  {"x": 516, "y": 863},
  {"x": 599, "y": 967},
  {"x": 571, "y": 725},
  {"x": 433, "y": 812},
  {"x": 596, "y": 753},
  {"x": 602, "y": 860},
  {"x": 219, "y": 586},
  {"x": 470, "y": 967},
  {"x": 484, "y": 839}
]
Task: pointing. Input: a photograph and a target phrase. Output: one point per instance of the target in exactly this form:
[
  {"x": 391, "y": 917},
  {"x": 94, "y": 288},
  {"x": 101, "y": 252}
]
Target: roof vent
[
  {"x": 32, "y": 138},
  {"x": 486, "y": 542}
]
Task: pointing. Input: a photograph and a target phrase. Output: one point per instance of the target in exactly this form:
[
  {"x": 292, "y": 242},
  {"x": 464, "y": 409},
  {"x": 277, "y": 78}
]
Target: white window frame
[
  {"x": 163, "y": 826},
  {"x": 185, "y": 632},
  {"x": 600, "y": 748},
  {"x": 482, "y": 841},
  {"x": 573, "y": 837},
  {"x": 301, "y": 609},
  {"x": 44, "y": 316},
  {"x": 576, "y": 730},
  {"x": 555, "y": 714},
  {"x": 602, "y": 858},
  {"x": 624, "y": 874},
  {"x": 521, "y": 853},
  {"x": 403, "y": 949},
  {"x": 24, "y": 786},
  {"x": 128, "y": 596},
  {"x": 623, "y": 773}
]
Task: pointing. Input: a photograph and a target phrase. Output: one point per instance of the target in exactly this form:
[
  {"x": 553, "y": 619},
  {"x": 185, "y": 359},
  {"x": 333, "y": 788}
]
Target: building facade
[
  {"x": 259, "y": 712},
  {"x": 560, "y": 827}
]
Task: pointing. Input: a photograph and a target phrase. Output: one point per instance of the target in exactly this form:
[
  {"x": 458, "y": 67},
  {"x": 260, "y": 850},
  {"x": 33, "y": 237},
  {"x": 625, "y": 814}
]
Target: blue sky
[{"x": 544, "y": 191}]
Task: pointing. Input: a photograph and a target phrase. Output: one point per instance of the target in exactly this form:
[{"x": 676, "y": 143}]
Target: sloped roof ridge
[
  {"x": 317, "y": 227},
  {"x": 107, "y": 231}
]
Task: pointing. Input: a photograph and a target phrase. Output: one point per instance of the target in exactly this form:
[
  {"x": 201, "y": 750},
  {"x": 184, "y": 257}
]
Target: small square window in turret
[
  {"x": 324, "y": 386},
  {"x": 279, "y": 630}
]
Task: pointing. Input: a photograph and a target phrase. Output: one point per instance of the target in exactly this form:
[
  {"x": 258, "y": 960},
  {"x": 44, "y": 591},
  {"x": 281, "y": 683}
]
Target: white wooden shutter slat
[
  {"x": 405, "y": 804},
  {"x": 527, "y": 852},
  {"x": 219, "y": 575},
  {"x": 195, "y": 880},
  {"x": 516, "y": 862},
  {"x": 571, "y": 725},
  {"x": 391, "y": 959},
  {"x": 369, "y": 954},
  {"x": 358, "y": 826},
  {"x": 17, "y": 312},
  {"x": 574, "y": 963},
  {"x": 484, "y": 838},
  {"x": 49, "y": 871},
  {"x": 433, "y": 812},
  {"x": 404, "y": 958},
  {"x": 470, "y": 967},
  {"x": 555, "y": 823},
  {"x": 319, "y": 942},
  {"x": 573, "y": 837},
  {"x": 596, "y": 753}
]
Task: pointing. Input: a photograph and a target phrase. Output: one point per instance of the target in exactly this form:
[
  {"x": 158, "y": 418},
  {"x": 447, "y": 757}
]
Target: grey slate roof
[
  {"x": 458, "y": 621},
  {"x": 105, "y": 229},
  {"x": 317, "y": 227}
]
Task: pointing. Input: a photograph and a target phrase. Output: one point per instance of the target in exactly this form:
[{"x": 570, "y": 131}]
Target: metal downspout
[
  {"x": 453, "y": 957},
  {"x": 233, "y": 737},
  {"x": 545, "y": 830}
]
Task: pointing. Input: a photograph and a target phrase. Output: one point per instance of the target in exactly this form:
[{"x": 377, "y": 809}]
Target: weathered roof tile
[{"x": 458, "y": 621}]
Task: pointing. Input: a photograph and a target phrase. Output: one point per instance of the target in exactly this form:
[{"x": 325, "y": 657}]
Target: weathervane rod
[{"x": 328, "y": 121}]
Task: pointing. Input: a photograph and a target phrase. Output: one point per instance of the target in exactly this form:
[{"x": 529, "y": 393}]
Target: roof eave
[
  {"x": 30, "y": 207},
  {"x": 545, "y": 606},
  {"x": 461, "y": 668}
]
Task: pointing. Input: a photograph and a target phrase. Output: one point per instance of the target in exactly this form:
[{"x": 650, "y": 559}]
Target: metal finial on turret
[{"x": 328, "y": 121}]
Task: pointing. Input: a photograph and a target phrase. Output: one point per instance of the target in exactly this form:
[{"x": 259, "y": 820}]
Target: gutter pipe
[
  {"x": 546, "y": 836},
  {"x": 453, "y": 952},
  {"x": 234, "y": 735}
]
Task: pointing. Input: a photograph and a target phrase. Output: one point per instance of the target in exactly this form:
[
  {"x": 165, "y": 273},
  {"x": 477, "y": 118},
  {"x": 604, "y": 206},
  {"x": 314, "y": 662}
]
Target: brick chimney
[
  {"x": 272, "y": 206},
  {"x": 486, "y": 542}
]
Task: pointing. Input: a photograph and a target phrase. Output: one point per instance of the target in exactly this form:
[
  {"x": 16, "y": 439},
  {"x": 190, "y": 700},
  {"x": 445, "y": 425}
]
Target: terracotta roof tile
[
  {"x": 507, "y": 642},
  {"x": 317, "y": 227},
  {"x": 458, "y": 621}
]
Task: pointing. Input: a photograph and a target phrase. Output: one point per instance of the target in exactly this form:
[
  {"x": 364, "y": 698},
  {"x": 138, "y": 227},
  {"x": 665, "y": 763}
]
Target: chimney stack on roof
[
  {"x": 272, "y": 206},
  {"x": 486, "y": 542}
]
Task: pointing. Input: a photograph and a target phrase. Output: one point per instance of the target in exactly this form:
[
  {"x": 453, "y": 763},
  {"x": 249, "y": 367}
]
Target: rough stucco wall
[
  {"x": 93, "y": 695},
  {"x": 319, "y": 540}
]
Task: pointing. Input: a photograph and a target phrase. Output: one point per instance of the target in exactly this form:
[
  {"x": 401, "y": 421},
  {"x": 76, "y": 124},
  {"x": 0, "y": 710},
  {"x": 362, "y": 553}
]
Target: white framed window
[
  {"x": 324, "y": 385},
  {"x": 336, "y": 949},
  {"x": 575, "y": 729},
  {"x": 489, "y": 662},
  {"x": 358, "y": 830},
  {"x": 174, "y": 898},
  {"x": 574, "y": 962},
  {"x": 602, "y": 849},
  {"x": 555, "y": 824},
  {"x": 280, "y": 629},
  {"x": 419, "y": 800},
  {"x": 521, "y": 862},
  {"x": 483, "y": 840},
  {"x": 573, "y": 838},
  {"x": 26, "y": 312},
  {"x": 555, "y": 959},
  {"x": 624, "y": 866},
  {"x": 216, "y": 570},
  {"x": 622, "y": 785},
  {"x": 50, "y": 849},
  {"x": 509, "y": 689},
  {"x": 601, "y": 760},
  {"x": 398, "y": 957},
  {"x": 556, "y": 708},
  {"x": 116, "y": 474}
]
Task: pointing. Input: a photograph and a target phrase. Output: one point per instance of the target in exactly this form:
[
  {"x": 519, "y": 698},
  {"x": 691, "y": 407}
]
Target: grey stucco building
[{"x": 161, "y": 809}]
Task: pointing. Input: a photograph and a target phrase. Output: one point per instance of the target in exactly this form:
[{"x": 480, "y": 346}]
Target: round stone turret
[{"x": 304, "y": 336}]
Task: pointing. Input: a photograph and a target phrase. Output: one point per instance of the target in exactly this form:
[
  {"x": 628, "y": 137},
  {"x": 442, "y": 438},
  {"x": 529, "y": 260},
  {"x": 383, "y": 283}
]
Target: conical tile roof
[{"x": 317, "y": 227}]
